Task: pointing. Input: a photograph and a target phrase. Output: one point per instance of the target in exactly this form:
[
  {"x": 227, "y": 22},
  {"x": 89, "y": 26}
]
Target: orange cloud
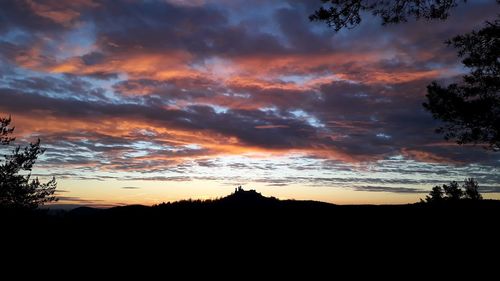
[
  {"x": 424, "y": 156},
  {"x": 376, "y": 76},
  {"x": 61, "y": 12},
  {"x": 152, "y": 66},
  {"x": 33, "y": 124},
  {"x": 246, "y": 72},
  {"x": 254, "y": 82}
]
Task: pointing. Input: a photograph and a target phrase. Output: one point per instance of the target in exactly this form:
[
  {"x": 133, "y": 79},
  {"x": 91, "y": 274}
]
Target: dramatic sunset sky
[{"x": 151, "y": 101}]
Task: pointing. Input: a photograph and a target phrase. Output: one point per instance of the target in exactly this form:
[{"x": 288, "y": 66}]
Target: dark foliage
[
  {"x": 262, "y": 228},
  {"x": 17, "y": 189},
  {"x": 471, "y": 189},
  {"x": 453, "y": 192},
  {"x": 251, "y": 215},
  {"x": 436, "y": 195},
  {"x": 471, "y": 110},
  {"x": 239, "y": 199},
  {"x": 5, "y": 131},
  {"x": 347, "y": 13}
]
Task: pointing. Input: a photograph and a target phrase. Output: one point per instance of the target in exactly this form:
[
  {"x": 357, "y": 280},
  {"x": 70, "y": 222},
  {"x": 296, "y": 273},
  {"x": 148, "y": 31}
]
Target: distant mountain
[
  {"x": 244, "y": 199},
  {"x": 252, "y": 225},
  {"x": 252, "y": 200},
  {"x": 240, "y": 203},
  {"x": 85, "y": 211},
  {"x": 249, "y": 214}
]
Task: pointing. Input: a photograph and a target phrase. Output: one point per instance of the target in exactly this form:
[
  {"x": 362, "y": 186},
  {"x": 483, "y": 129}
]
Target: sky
[{"x": 142, "y": 102}]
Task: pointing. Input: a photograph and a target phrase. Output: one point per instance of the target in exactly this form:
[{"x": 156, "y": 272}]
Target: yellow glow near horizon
[{"x": 113, "y": 192}]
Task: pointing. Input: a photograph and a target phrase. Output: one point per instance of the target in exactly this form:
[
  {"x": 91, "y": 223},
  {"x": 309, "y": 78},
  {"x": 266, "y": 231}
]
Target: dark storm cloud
[
  {"x": 93, "y": 58},
  {"x": 207, "y": 163},
  {"x": 184, "y": 89},
  {"x": 78, "y": 200},
  {"x": 489, "y": 189},
  {"x": 157, "y": 26},
  {"x": 381, "y": 120},
  {"x": 348, "y": 181},
  {"x": 173, "y": 178},
  {"x": 59, "y": 87},
  {"x": 295, "y": 28},
  {"x": 130, "y": 187},
  {"x": 371, "y": 188},
  {"x": 19, "y": 14}
]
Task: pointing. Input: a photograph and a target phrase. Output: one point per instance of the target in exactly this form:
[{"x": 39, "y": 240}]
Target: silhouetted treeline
[
  {"x": 452, "y": 192},
  {"x": 244, "y": 209},
  {"x": 247, "y": 225}
]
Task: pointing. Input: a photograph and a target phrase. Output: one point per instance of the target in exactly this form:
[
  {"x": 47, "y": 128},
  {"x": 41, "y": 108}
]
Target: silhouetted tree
[
  {"x": 471, "y": 109},
  {"x": 471, "y": 189},
  {"x": 5, "y": 131},
  {"x": 453, "y": 191},
  {"x": 17, "y": 189},
  {"x": 347, "y": 13},
  {"x": 436, "y": 195}
]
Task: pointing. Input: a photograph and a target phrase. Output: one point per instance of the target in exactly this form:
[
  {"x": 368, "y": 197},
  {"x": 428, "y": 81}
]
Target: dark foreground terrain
[
  {"x": 250, "y": 212},
  {"x": 247, "y": 228},
  {"x": 249, "y": 224}
]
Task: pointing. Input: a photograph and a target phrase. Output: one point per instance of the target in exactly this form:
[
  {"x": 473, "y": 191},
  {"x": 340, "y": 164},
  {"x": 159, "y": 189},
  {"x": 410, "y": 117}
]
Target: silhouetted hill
[
  {"x": 244, "y": 200},
  {"x": 254, "y": 216},
  {"x": 247, "y": 224},
  {"x": 250, "y": 211},
  {"x": 84, "y": 211},
  {"x": 251, "y": 200}
]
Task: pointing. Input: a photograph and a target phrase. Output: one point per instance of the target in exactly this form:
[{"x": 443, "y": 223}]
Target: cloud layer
[{"x": 148, "y": 87}]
